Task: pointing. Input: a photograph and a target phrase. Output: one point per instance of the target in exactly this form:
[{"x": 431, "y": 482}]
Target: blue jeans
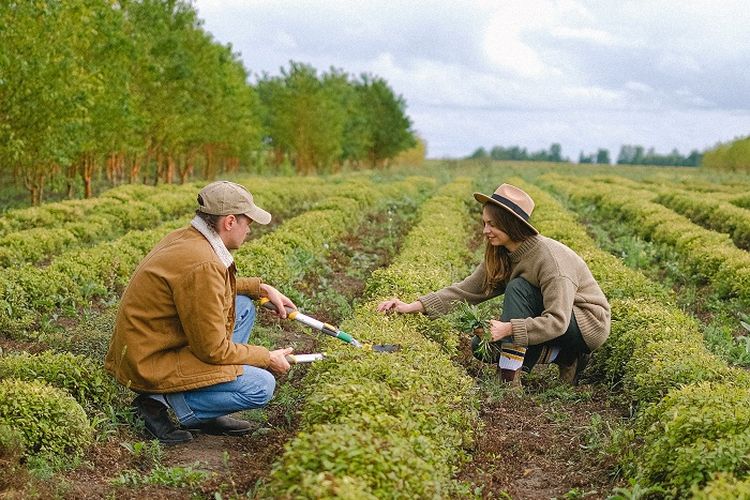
[{"x": 253, "y": 389}]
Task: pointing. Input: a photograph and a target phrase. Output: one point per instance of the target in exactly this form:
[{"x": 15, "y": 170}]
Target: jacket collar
[
  {"x": 525, "y": 248},
  {"x": 213, "y": 238}
]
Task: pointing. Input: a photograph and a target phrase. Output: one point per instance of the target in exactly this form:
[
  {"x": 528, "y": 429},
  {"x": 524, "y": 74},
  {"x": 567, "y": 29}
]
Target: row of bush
[
  {"x": 718, "y": 211},
  {"x": 105, "y": 219},
  {"x": 708, "y": 254},
  {"x": 30, "y": 295},
  {"x": 47, "y": 400},
  {"x": 283, "y": 257},
  {"x": 64, "y": 383},
  {"x": 693, "y": 415},
  {"x": 392, "y": 425},
  {"x": 54, "y": 228}
]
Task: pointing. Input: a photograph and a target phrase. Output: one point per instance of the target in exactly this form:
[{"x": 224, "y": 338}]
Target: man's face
[{"x": 239, "y": 229}]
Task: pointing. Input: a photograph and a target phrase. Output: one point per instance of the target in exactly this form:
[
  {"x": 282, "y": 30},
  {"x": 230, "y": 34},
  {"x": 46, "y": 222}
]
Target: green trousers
[{"x": 523, "y": 300}]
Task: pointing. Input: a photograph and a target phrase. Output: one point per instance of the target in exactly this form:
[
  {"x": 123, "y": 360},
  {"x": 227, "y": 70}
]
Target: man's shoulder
[{"x": 185, "y": 246}]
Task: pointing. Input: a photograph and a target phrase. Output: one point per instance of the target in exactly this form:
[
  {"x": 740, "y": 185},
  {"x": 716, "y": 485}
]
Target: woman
[{"x": 553, "y": 308}]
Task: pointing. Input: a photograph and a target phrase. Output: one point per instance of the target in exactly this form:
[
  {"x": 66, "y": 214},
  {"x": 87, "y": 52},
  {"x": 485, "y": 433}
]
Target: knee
[{"x": 258, "y": 390}]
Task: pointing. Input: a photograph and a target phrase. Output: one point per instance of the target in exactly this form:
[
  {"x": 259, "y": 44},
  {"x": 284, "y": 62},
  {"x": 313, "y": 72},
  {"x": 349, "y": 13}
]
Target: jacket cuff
[
  {"x": 259, "y": 356},
  {"x": 433, "y": 305},
  {"x": 520, "y": 335},
  {"x": 249, "y": 287}
]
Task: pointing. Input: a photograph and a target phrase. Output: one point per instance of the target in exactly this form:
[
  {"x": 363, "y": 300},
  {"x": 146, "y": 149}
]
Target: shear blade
[{"x": 386, "y": 348}]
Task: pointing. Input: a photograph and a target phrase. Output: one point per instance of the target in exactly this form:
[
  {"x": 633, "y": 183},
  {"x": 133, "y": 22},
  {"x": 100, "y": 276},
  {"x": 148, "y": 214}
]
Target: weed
[
  {"x": 636, "y": 492},
  {"x": 176, "y": 477}
]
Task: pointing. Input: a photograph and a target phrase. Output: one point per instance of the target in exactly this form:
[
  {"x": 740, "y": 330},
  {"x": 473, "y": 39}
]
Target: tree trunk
[
  {"x": 33, "y": 180},
  {"x": 210, "y": 168},
  {"x": 169, "y": 170},
  {"x": 186, "y": 169},
  {"x": 70, "y": 179},
  {"x": 135, "y": 169},
  {"x": 87, "y": 170}
]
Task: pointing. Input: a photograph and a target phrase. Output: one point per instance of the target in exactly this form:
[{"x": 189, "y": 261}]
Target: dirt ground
[{"x": 543, "y": 441}]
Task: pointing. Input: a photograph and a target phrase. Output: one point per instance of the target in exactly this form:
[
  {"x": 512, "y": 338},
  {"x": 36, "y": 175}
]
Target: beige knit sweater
[{"x": 567, "y": 287}]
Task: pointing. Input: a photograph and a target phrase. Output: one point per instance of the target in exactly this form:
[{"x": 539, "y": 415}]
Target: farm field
[{"x": 662, "y": 411}]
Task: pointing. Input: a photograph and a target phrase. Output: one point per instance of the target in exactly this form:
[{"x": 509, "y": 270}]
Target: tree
[
  {"x": 602, "y": 157},
  {"x": 389, "y": 126},
  {"x": 40, "y": 104}
]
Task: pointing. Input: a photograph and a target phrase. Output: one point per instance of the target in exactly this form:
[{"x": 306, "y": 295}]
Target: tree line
[
  {"x": 628, "y": 155},
  {"x": 138, "y": 91},
  {"x": 733, "y": 156},
  {"x": 517, "y": 153}
]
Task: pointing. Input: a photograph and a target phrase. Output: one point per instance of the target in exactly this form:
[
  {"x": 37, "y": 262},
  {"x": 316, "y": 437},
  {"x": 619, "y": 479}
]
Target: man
[{"x": 180, "y": 338}]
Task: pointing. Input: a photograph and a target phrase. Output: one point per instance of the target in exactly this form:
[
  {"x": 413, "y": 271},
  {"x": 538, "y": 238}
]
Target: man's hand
[
  {"x": 500, "y": 329},
  {"x": 278, "y": 363},
  {"x": 279, "y": 300},
  {"x": 396, "y": 305}
]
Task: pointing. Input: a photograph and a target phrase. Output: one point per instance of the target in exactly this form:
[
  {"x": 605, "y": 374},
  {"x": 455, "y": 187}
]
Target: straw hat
[{"x": 513, "y": 199}]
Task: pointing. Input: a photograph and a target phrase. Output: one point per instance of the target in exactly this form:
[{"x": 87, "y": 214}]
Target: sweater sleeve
[
  {"x": 199, "y": 299},
  {"x": 470, "y": 290},
  {"x": 558, "y": 295}
]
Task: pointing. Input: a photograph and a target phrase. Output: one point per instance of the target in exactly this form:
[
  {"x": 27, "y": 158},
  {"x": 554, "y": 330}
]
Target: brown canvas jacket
[{"x": 174, "y": 325}]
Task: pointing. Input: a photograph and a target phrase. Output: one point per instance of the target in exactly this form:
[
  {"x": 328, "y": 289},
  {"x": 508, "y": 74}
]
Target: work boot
[
  {"x": 223, "y": 426},
  {"x": 157, "y": 422},
  {"x": 571, "y": 372},
  {"x": 512, "y": 378}
]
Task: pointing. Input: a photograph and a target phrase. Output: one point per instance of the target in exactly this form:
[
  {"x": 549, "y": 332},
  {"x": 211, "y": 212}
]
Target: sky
[{"x": 585, "y": 74}]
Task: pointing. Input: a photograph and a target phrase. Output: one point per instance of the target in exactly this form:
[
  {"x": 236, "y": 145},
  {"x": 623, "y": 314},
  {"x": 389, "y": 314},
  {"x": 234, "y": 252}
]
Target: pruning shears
[{"x": 326, "y": 328}]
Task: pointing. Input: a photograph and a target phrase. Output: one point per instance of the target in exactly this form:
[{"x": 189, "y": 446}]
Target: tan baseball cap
[{"x": 225, "y": 198}]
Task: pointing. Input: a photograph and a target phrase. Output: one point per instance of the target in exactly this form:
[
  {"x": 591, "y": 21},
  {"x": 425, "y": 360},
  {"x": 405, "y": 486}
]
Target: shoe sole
[{"x": 241, "y": 432}]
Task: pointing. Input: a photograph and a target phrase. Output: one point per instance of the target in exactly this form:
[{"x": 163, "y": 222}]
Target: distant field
[{"x": 663, "y": 410}]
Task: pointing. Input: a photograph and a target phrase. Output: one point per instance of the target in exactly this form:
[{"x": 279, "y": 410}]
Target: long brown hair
[{"x": 497, "y": 258}]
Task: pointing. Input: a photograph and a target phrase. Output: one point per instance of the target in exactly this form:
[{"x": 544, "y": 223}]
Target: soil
[{"x": 537, "y": 442}]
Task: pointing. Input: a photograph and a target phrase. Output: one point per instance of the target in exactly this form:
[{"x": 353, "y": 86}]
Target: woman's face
[{"x": 495, "y": 236}]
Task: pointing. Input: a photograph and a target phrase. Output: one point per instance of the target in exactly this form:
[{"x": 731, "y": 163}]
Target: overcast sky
[{"x": 586, "y": 74}]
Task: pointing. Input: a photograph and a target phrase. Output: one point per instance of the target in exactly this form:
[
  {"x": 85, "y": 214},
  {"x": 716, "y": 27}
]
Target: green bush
[
  {"x": 724, "y": 487},
  {"x": 395, "y": 425},
  {"x": 345, "y": 461},
  {"x": 78, "y": 375},
  {"x": 49, "y": 420},
  {"x": 694, "y": 432}
]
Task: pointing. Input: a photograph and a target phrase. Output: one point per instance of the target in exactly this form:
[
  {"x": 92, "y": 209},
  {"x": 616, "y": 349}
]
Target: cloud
[{"x": 521, "y": 71}]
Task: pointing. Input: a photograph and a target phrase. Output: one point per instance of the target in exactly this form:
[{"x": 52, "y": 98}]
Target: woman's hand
[
  {"x": 396, "y": 305},
  {"x": 500, "y": 330},
  {"x": 278, "y": 299}
]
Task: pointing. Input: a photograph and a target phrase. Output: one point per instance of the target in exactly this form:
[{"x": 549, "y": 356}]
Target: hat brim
[
  {"x": 483, "y": 198},
  {"x": 259, "y": 215}
]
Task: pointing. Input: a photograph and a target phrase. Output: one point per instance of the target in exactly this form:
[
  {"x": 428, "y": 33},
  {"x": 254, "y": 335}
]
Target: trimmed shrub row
[
  {"x": 78, "y": 375},
  {"x": 47, "y": 419},
  {"x": 29, "y": 294},
  {"x": 389, "y": 425},
  {"x": 117, "y": 212},
  {"x": 284, "y": 256},
  {"x": 713, "y": 214},
  {"x": 707, "y": 253},
  {"x": 688, "y": 427}
]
